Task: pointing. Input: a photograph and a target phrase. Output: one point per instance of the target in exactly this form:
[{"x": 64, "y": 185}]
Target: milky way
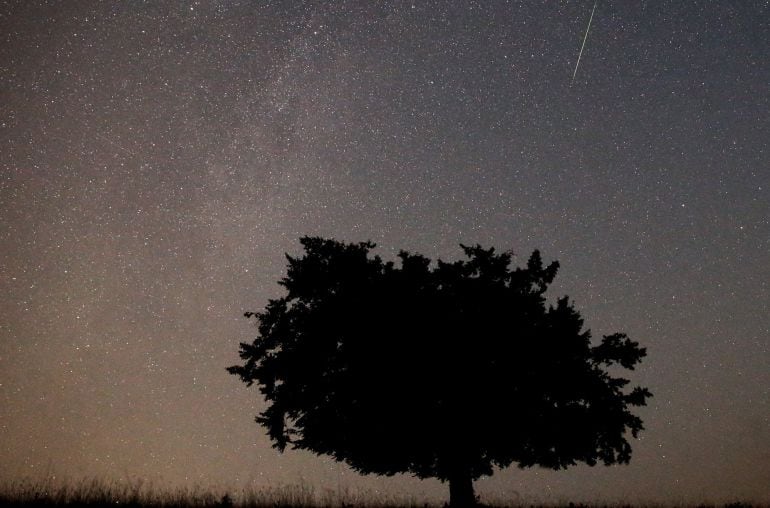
[{"x": 159, "y": 158}]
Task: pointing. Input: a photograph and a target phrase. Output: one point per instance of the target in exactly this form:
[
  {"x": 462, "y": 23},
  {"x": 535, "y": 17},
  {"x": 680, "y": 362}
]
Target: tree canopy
[{"x": 442, "y": 370}]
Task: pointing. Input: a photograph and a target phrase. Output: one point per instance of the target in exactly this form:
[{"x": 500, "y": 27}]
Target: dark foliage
[{"x": 441, "y": 371}]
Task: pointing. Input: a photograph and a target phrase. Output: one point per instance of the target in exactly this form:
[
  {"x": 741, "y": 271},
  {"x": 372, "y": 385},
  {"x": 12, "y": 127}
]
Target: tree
[{"x": 442, "y": 371}]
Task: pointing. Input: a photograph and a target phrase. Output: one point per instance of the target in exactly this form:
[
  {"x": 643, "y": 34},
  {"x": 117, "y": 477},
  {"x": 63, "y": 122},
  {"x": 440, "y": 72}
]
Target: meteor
[{"x": 584, "y": 43}]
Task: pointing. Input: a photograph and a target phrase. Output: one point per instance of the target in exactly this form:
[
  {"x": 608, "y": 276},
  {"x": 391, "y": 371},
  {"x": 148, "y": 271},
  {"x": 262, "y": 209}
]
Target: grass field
[
  {"x": 97, "y": 493},
  {"x": 137, "y": 494}
]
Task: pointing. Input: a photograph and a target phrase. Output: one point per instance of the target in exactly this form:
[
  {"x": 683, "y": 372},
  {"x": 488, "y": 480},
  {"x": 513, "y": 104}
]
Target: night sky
[{"x": 157, "y": 159}]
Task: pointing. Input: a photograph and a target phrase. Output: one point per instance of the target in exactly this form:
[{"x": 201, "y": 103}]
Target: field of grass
[{"x": 97, "y": 494}]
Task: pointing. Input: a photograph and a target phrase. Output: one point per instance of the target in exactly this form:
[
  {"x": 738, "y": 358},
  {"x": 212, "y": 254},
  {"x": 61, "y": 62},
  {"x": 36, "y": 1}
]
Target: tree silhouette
[{"x": 441, "y": 371}]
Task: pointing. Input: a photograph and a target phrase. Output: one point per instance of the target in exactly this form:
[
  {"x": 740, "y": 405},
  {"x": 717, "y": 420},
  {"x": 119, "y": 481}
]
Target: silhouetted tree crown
[{"x": 441, "y": 371}]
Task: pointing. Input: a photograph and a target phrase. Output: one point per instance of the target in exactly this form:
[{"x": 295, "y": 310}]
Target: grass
[
  {"x": 137, "y": 494},
  {"x": 99, "y": 493}
]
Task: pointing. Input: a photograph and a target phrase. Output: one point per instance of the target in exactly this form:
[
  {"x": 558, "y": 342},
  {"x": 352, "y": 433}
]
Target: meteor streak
[
  {"x": 113, "y": 143},
  {"x": 584, "y": 42}
]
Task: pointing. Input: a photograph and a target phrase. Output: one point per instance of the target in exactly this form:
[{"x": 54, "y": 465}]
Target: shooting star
[
  {"x": 115, "y": 144},
  {"x": 577, "y": 64}
]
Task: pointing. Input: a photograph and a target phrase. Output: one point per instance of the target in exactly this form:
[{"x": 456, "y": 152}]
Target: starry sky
[{"x": 158, "y": 158}]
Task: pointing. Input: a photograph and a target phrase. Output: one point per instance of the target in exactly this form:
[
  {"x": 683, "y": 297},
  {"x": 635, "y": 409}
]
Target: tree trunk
[{"x": 461, "y": 491}]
